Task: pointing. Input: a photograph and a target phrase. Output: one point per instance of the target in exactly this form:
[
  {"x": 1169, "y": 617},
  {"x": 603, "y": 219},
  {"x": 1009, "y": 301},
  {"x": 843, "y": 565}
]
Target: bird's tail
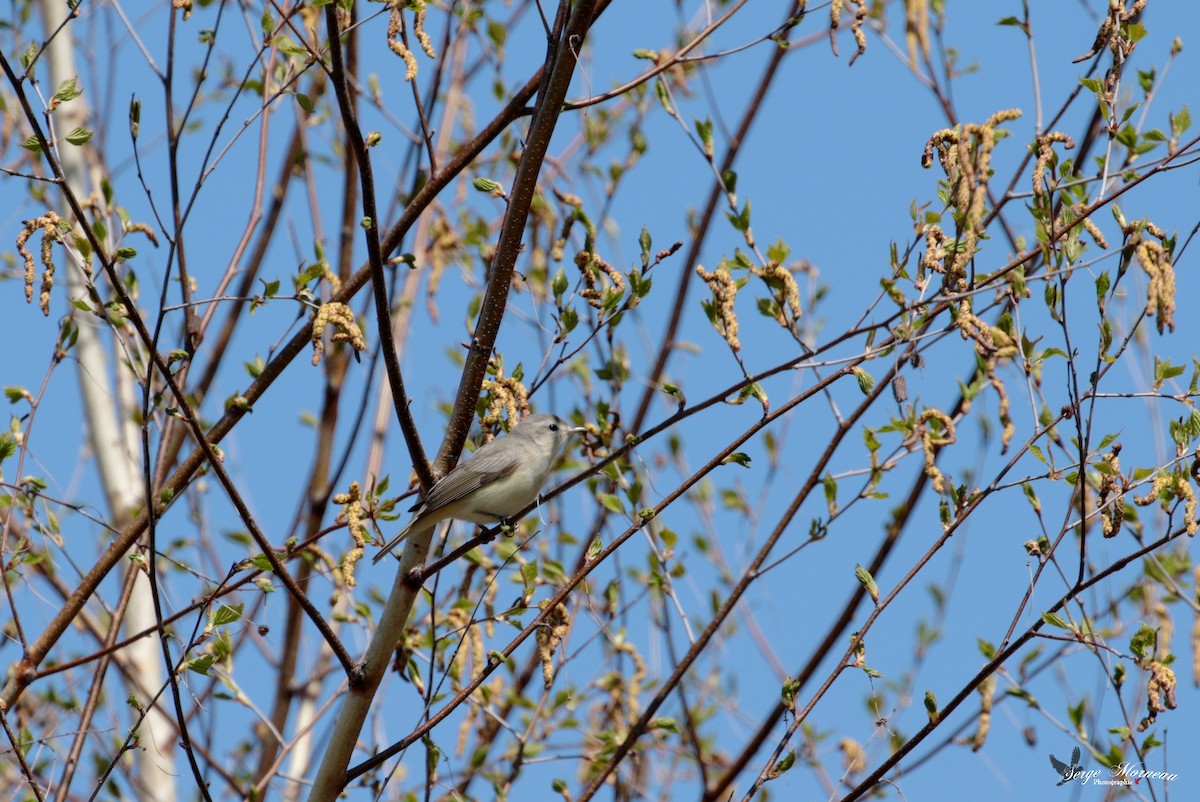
[{"x": 392, "y": 544}]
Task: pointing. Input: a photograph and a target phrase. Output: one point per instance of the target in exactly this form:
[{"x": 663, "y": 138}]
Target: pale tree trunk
[{"x": 109, "y": 397}]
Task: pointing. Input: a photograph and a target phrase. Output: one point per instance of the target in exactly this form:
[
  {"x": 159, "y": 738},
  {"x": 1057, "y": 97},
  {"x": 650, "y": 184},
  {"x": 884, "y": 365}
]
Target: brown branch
[
  {"x": 733, "y": 150},
  {"x": 320, "y": 478},
  {"x": 662, "y": 66},
  {"x": 846, "y": 661},
  {"x": 821, "y": 386},
  {"x": 331, "y": 776},
  {"x": 991, "y": 666},
  {"x": 25, "y": 670},
  {"x": 508, "y": 248},
  {"x": 97, "y": 686},
  {"x": 199, "y": 604},
  {"x": 731, "y": 601},
  {"x": 16, "y": 747},
  {"x": 205, "y": 452},
  {"x": 375, "y": 256},
  {"x": 833, "y": 635}
]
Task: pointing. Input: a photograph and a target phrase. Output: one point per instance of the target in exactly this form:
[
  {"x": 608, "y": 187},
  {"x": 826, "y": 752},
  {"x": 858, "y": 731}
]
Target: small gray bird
[{"x": 496, "y": 482}]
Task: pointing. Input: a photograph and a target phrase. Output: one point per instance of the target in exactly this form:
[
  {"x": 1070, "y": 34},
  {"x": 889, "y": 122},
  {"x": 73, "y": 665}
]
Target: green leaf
[
  {"x": 79, "y": 136},
  {"x": 660, "y": 91},
  {"x": 227, "y": 614},
  {"x": 8, "y": 445},
  {"x": 1127, "y": 135},
  {"x": 779, "y": 252},
  {"x": 737, "y": 458},
  {"x": 1134, "y": 31},
  {"x": 612, "y": 298},
  {"x": 639, "y": 284},
  {"x": 487, "y": 185},
  {"x": 931, "y": 705},
  {"x": 866, "y": 382},
  {"x": 1181, "y": 121},
  {"x": 1102, "y": 285},
  {"x": 1032, "y": 497},
  {"x": 1191, "y": 426},
  {"x": 830, "y": 486},
  {"x": 734, "y": 500},
  {"x": 28, "y": 55},
  {"x": 1021, "y": 693},
  {"x": 769, "y": 307},
  {"x": 705, "y": 131},
  {"x": 1164, "y": 371},
  {"x": 202, "y": 664},
  {"x": 135, "y": 116},
  {"x": 1146, "y": 80},
  {"x": 570, "y": 319},
  {"x": 740, "y": 220},
  {"x": 753, "y": 390},
  {"x": 729, "y": 179},
  {"x": 308, "y": 274},
  {"x": 1055, "y": 620},
  {"x": 553, "y": 571},
  {"x": 1075, "y": 713},
  {"x": 68, "y": 90},
  {"x": 1144, "y": 642},
  {"x": 497, "y": 32},
  {"x": 611, "y": 503},
  {"x": 558, "y": 285},
  {"x": 867, "y": 581}
]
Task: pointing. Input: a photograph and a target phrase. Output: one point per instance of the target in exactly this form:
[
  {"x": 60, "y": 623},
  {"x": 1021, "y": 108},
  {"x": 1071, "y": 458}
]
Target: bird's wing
[
  {"x": 483, "y": 467},
  {"x": 1075, "y": 757},
  {"x": 1058, "y": 765}
]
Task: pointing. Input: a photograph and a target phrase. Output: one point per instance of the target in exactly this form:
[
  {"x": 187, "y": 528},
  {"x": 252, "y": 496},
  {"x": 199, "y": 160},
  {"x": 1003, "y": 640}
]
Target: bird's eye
[{"x": 554, "y": 427}]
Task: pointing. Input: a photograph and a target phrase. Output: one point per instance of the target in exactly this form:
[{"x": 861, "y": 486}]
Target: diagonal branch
[
  {"x": 26, "y": 669},
  {"x": 383, "y": 311},
  {"x": 560, "y": 67},
  {"x": 331, "y": 777}
]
